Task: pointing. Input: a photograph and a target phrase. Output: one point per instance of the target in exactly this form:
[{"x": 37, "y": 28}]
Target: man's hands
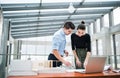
[
  {"x": 67, "y": 63},
  {"x": 66, "y": 53},
  {"x": 57, "y": 55}
]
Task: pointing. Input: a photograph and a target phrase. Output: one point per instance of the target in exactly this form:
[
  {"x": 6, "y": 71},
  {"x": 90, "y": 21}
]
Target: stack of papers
[
  {"x": 116, "y": 71},
  {"x": 75, "y": 70}
]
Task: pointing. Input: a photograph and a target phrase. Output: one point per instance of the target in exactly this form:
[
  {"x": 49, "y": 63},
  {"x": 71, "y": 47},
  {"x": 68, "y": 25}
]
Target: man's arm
[{"x": 57, "y": 55}]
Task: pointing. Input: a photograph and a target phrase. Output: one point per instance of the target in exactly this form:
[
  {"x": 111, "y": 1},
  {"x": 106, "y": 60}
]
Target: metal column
[
  {"x": 114, "y": 48},
  {"x": 4, "y": 43},
  {"x": 97, "y": 52},
  {"x": 101, "y": 22},
  {"x": 94, "y": 27}
]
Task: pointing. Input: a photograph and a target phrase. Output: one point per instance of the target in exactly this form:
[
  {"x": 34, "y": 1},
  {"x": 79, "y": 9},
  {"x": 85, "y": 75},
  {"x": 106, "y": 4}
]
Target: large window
[
  {"x": 36, "y": 48},
  {"x": 39, "y": 48},
  {"x": 117, "y": 39},
  {"x": 91, "y": 28},
  {"x": 115, "y": 51},
  {"x": 93, "y": 48},
  {"x": 98, "y": 25},
  {"x": 106, "y": 20},
  {"x": 116, "y": 13},
  {"x": 100, "y": 48}
]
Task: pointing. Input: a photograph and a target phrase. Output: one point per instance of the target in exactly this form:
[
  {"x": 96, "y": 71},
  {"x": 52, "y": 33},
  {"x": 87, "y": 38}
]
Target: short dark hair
[
  {"x": 68, "y": 25},
  {"x": 81, "y": 26}
]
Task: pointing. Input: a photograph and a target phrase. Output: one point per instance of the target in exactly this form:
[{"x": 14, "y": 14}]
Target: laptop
[{"x": 95, "y": 65}]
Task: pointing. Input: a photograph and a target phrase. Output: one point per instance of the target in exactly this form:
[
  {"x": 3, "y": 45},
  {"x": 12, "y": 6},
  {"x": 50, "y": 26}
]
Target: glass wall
[
  {"x": 98, "y": 25},
  {"x": 36, "y": 48},
  {"x": 106, "y": 20},
  {"x": 93, "y": 48},
  {"x": 39, "y": 48},
  {"x": 116, "y": 13},
  {"x": 117, "y": 40},
  {"x": 91, "y": 28},
  {"x": 100, "y": 47}
]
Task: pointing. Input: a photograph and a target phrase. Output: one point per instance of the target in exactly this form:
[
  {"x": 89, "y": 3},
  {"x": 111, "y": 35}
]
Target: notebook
[{"x": 95, "y": 65}]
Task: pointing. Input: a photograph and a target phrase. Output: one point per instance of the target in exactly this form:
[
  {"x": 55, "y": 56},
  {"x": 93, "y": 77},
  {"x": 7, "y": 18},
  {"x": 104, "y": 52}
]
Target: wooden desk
[{"x": 72, "y": 75}]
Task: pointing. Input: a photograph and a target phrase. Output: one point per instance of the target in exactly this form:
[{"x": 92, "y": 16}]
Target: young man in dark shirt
[{"x": 81, "y": 46}]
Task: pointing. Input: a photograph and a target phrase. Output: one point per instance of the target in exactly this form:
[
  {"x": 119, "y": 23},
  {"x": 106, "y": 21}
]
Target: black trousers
[{"x": 56, "y": 62}]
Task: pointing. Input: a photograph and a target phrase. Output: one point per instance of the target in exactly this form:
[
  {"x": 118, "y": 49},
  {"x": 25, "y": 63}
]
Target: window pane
[
  {"x": 106, "y": 20},
  {"x": 91, "y": 28},
  {"x": 94, "y": 48},
  {"x": 117, "y": 37},
  {"x": 98, "y": 25},
  {"x": 100, "y": 48},
  {"x": 116, "y": 14}
]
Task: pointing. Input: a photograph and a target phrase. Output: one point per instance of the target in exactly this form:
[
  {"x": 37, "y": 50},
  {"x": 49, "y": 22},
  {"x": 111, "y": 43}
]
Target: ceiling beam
[
  {"x": 34, "y": 14},
  {"x": 35, "y": 26},
  {"x": 47, "y": 21},
  {"x": 34, "y": 31},
  {"x": 92, "y": 17},
  {"x": 32, "y": 35},
  {"x": 36, "y": 6},
  {"x": 37, "y": 29}
]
